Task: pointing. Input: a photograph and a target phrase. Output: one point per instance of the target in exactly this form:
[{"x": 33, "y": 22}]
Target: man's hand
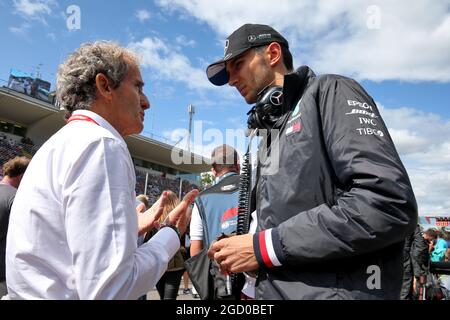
[
  {"x": 183, "y": 223},
  {"x": 149, "y": 219},
  {"x": 234, "y": 254},
  {"x": 180, "y": 216}
]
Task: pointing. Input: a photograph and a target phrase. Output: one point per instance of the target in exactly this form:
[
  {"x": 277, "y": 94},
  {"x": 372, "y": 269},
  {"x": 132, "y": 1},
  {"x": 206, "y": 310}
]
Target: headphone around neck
[{"x": 267, "y": 109}]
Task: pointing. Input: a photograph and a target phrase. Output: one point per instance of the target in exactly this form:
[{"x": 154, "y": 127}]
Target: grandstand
[
  {"x": 27, "y": 122},
  {"x": 436, "y": 222}
]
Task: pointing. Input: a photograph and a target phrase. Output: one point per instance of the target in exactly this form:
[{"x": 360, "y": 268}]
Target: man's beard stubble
[{"x": 261, "y": 79}]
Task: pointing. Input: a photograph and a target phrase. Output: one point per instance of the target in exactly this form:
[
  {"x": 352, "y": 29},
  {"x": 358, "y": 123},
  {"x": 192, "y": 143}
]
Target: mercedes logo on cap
[{"x": 251, "y": 38}]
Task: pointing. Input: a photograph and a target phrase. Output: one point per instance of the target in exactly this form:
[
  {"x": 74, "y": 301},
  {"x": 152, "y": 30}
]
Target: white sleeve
[
  {"x": 196, "y": 226},
  {"x": 101, "y": 226},
  {"x": 141, "y": 238},
  {"x": 253, "y": 223}
]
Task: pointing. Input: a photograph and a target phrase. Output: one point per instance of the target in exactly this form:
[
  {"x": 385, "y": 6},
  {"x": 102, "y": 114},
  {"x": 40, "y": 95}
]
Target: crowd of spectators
[
  {"x": 10, "y": 148},
  {"x": 156, "y": 184}
]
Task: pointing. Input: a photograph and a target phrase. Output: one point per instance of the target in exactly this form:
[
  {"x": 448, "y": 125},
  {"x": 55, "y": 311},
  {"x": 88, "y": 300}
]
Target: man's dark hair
[
  {"x": 287, "y": 56},
  {"x": 224, "y": 157},
  {"x": 15, "y": 167}
]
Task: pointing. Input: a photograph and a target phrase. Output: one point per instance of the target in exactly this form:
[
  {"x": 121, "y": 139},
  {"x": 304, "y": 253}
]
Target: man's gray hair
[{"x": 75, "y": 81}]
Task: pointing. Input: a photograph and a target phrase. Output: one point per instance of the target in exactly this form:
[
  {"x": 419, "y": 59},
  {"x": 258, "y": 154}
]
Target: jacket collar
[
  {"x": 294, "y": 85},
  {"x": 101, "y": 122},
  {"x": 218, "y": 179}
]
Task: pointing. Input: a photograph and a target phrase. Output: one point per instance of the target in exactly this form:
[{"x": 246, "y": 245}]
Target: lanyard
[{"x": 80, "y": 117}]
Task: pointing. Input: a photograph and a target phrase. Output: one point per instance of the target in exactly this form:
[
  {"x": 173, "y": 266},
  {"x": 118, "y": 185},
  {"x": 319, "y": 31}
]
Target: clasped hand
[
  {"x": 179, "y": 216},
  {"x": 234, "y": 254}
]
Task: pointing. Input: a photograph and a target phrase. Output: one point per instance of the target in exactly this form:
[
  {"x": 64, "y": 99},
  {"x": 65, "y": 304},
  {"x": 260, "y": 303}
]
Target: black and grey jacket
[{"x": 334, "y": 212}]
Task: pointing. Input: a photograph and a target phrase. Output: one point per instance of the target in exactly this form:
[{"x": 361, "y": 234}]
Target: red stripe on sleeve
[{"x": 263, "y": 248}]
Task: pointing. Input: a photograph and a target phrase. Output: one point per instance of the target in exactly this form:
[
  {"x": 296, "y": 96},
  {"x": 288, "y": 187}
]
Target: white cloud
[
  {"x": 399, "y": 40},
  {"x": 143, "y": 15},
  {"x": 422, "y": 142},
  {"x": 176, "y": 136},
  {"x": 169, "y": 64},
  {"x": 431, "y": 188},
  {"x": 407, "y": 142},
  {"x": 183, "y": 41},
  {"x": 437, "y": 155},
  {"x": 35, "y": 10},
  {"x": 52, "y": 36},
  {"x": 20, "y": 31},
  {"x": 415, "y": 131}
]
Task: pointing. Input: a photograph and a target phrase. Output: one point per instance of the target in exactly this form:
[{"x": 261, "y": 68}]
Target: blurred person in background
[{"x": 13, "y": 171}]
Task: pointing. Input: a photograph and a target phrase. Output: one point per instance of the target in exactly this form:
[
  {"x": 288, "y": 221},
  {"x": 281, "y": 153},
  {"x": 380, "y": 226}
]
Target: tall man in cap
[{"x": 333, "y": 216}]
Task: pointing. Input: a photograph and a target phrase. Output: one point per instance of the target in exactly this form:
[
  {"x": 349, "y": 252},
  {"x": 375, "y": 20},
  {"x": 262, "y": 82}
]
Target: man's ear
[
  {"x": 103, "y": 86},
  {"x": 274, "y": 52}
]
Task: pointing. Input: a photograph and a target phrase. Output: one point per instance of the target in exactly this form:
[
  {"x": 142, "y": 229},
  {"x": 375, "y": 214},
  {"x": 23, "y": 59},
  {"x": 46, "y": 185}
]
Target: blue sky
[{"x": 398, "y": 50}]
